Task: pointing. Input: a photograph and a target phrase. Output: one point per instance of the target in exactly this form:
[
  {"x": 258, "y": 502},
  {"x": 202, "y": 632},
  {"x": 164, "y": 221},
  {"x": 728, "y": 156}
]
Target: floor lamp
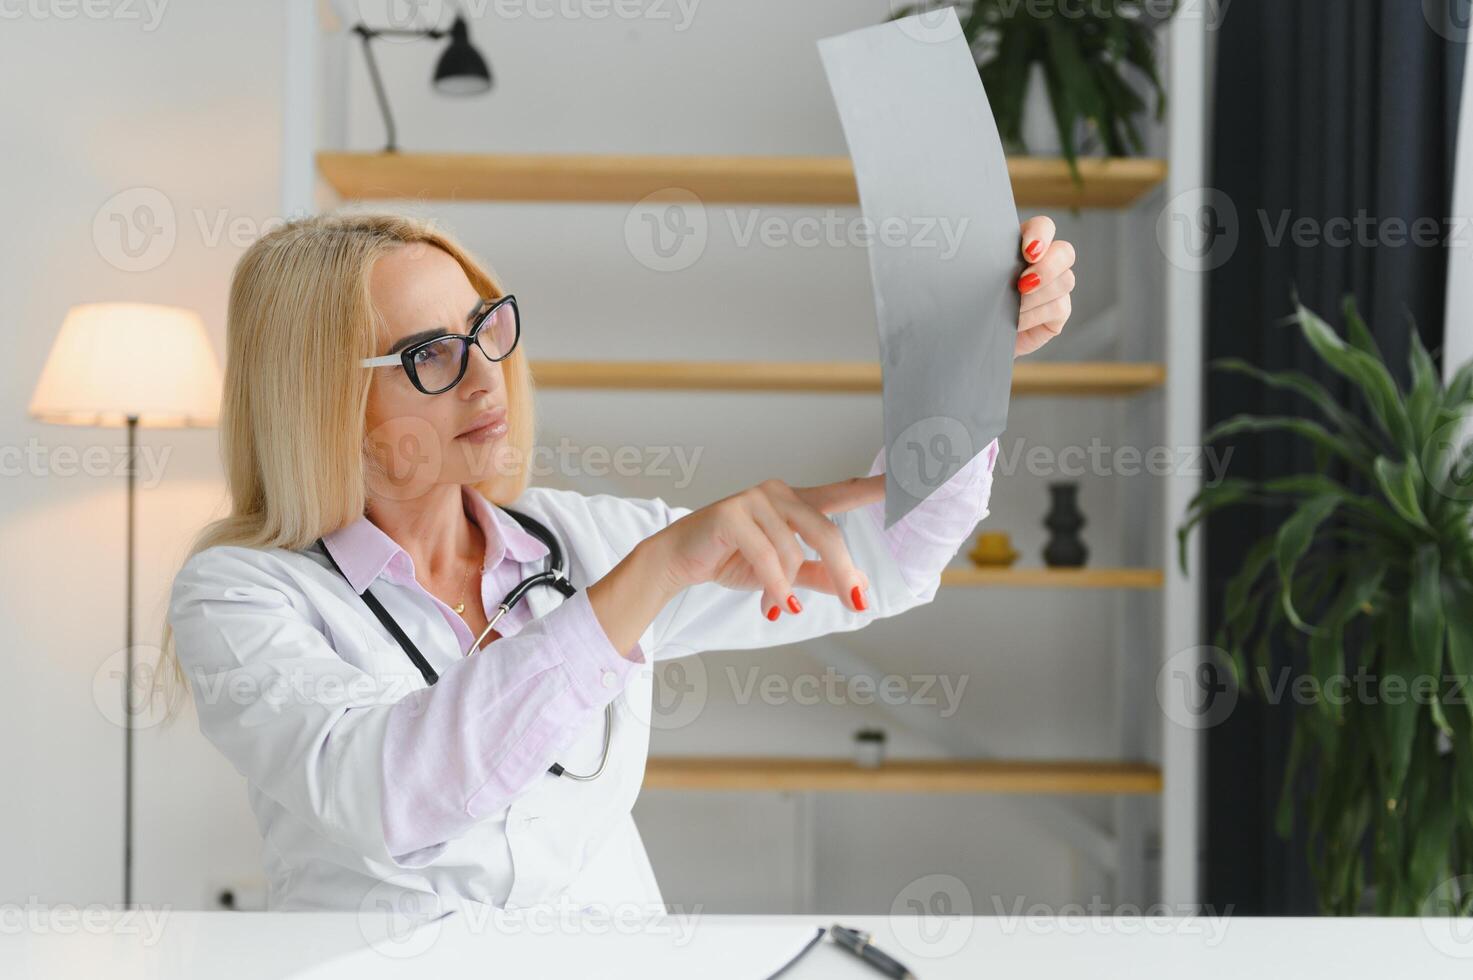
[{"x": 129, "y": 365}]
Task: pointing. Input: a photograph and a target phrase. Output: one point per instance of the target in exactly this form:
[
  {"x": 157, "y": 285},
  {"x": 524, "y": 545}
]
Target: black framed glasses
[{"x": 437, "y": 364}]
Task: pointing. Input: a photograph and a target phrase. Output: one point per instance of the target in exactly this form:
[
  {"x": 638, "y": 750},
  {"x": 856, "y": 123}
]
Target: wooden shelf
[
  {"x": 900, "y": 775},
  {"x": 1055, "y": 578},
  {"x": 1037, "y": 181},
  {"x": 1114, "y": 182},
  {"x": 1084, "y": 379}
]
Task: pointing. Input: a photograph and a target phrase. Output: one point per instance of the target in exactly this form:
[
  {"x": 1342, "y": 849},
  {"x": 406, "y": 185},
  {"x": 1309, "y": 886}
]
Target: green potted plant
[
  {"x": 1368, "y": 582},
  {"x": 1089, "y": 54}
]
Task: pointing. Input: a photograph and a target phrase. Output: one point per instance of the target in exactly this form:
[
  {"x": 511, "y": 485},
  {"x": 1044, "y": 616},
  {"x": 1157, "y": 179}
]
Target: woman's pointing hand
[{"x": 753, "y": 540}]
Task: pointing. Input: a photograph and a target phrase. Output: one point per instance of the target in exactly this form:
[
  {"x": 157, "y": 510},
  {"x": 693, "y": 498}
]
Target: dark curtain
[{"x": 1323, "y": 109}]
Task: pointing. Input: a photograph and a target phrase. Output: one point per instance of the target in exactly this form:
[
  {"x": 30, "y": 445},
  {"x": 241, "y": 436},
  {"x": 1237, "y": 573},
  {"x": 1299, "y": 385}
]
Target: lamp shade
[
  {"x": 115, "y": 360},
  {"x": 461, "y": 70}
]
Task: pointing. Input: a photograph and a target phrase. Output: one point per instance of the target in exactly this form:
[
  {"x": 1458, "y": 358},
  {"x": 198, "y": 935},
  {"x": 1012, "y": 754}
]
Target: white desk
[{"x": 256, "y": 946}]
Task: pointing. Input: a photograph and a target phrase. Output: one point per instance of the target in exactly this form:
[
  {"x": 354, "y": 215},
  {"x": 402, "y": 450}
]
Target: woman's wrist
[
  {"x": 632, "y": 594},
  {"x": 652, "y": 565}
]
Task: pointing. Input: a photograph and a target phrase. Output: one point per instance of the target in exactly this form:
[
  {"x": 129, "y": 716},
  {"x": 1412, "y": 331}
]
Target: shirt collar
[{"x": 364, "y": 552}]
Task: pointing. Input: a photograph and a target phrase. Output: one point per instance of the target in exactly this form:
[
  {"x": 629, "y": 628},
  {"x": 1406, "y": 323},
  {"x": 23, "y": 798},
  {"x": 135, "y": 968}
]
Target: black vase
[{"x": 1064, "y": 549}]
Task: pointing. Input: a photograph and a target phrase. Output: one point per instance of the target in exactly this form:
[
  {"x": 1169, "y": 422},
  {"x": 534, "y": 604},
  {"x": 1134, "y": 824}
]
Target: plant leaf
[
  {"x": 1425, "y": 604},
  {"x": 1327, "y": 648},
  {"x": 1293, "y": 540},
  {"x": 1356, "y": 330},
  {"x": 1284, "y": 817},
  {"x": 1351, "y": 428},
  {"x": 1431, "y": 821},
  {"x": 1394, "y": 721},
  {"x": 1207, "y": 500},
  {"x": 1235, "y": 597},
  {"x": 1399, "y": 484},
  {"x": 1365, "y": 371},
  {"x": 1422, "y": 399},
  {"x": 1312, "y": 431},
  {"x": 1458, "y": 608}
]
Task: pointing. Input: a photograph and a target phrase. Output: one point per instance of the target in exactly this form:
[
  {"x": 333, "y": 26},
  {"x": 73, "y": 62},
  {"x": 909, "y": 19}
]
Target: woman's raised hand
[
  {"x": 751, "y": 540},
  {"x": 1047, "y": 286}
]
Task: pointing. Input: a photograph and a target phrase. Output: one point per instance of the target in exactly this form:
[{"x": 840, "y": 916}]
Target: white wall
[
  {"x": 193, "y": 109},
  {"x": 181, "y": 112}
]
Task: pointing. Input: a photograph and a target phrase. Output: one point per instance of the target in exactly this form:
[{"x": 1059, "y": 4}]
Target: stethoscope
[{"x": 554, "y": 575}]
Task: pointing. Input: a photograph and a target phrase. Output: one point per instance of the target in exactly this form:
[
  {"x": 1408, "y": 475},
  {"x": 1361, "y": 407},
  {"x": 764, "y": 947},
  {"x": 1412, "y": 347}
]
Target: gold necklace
[{"x": 460, "y": 607}]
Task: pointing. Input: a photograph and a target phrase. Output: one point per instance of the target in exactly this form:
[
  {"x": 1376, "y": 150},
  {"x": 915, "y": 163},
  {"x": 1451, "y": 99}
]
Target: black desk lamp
[{"x": 460, "y": 71}]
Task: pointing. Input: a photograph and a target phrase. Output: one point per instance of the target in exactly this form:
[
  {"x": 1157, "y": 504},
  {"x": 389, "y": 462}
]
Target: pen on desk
[{"x": 859, "y": 944}]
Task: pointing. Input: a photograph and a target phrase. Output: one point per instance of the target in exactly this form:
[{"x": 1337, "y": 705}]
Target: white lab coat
[{"x": 246, "y": 619}]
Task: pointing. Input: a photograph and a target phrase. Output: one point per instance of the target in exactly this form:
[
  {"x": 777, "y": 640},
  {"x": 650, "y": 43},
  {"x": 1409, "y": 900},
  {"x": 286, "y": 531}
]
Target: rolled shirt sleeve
[{"x": 925, "y": 540}]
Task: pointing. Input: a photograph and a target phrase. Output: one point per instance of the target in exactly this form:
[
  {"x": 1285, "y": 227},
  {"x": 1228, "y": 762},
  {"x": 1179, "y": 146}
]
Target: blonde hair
[{"x": 293, "y": 410}]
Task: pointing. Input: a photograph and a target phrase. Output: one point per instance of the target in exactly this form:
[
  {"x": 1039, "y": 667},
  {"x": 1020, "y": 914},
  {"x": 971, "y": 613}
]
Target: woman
[{"x": 430, "y": 786}]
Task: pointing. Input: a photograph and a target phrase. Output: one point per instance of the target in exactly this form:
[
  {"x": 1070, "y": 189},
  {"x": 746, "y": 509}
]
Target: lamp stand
[
  {"x": 128, "y": 675},
  {"x": 378, "y": 85},
  {"x": 368, "y": 34}
]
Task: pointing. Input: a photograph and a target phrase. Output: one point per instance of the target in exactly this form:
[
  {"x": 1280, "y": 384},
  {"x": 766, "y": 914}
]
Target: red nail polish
[
  {"x": 794, "y": 604},
  {"x": 1029, "y": 283},
  {"x": 774, "y": 612},
  {"x": 857, "y": 594},
  {"x": 1032, "y": 250}
]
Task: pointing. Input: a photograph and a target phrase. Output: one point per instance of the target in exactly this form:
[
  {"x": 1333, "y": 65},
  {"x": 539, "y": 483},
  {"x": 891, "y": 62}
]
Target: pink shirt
[{"x": 491, "y": 725}]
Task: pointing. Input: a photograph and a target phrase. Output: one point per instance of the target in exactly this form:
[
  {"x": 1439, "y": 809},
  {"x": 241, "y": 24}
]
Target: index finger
[
  {"x": 826, "y": 539},
  {"x": 1037, "y": 234},
  {"x": 835, "y": 498}
]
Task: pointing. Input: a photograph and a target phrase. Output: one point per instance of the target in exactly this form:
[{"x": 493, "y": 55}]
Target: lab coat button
[{"x": 609, "y": 679}]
